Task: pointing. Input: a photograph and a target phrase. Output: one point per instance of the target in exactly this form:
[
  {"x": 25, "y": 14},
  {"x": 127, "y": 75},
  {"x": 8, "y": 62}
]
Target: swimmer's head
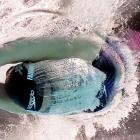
[{"x": 55, "y": 87}]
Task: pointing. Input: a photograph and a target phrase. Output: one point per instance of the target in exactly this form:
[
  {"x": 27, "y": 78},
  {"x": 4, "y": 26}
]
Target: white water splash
[{"x": 92, "y": 14}]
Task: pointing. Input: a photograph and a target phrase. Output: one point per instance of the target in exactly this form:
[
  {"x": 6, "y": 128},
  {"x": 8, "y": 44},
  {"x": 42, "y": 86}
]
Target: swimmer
[
  {"x": 38, "y": 88},
  {"x": 52, "y": 87}
]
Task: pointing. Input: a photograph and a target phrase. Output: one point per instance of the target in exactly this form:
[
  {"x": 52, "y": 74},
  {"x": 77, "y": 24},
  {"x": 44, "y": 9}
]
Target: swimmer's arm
[{"x": 51, "y": 49}]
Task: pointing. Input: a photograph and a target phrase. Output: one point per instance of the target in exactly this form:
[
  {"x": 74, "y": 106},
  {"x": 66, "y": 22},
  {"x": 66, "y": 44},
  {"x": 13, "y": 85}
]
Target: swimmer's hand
[{"x": 51, "y": 49}]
